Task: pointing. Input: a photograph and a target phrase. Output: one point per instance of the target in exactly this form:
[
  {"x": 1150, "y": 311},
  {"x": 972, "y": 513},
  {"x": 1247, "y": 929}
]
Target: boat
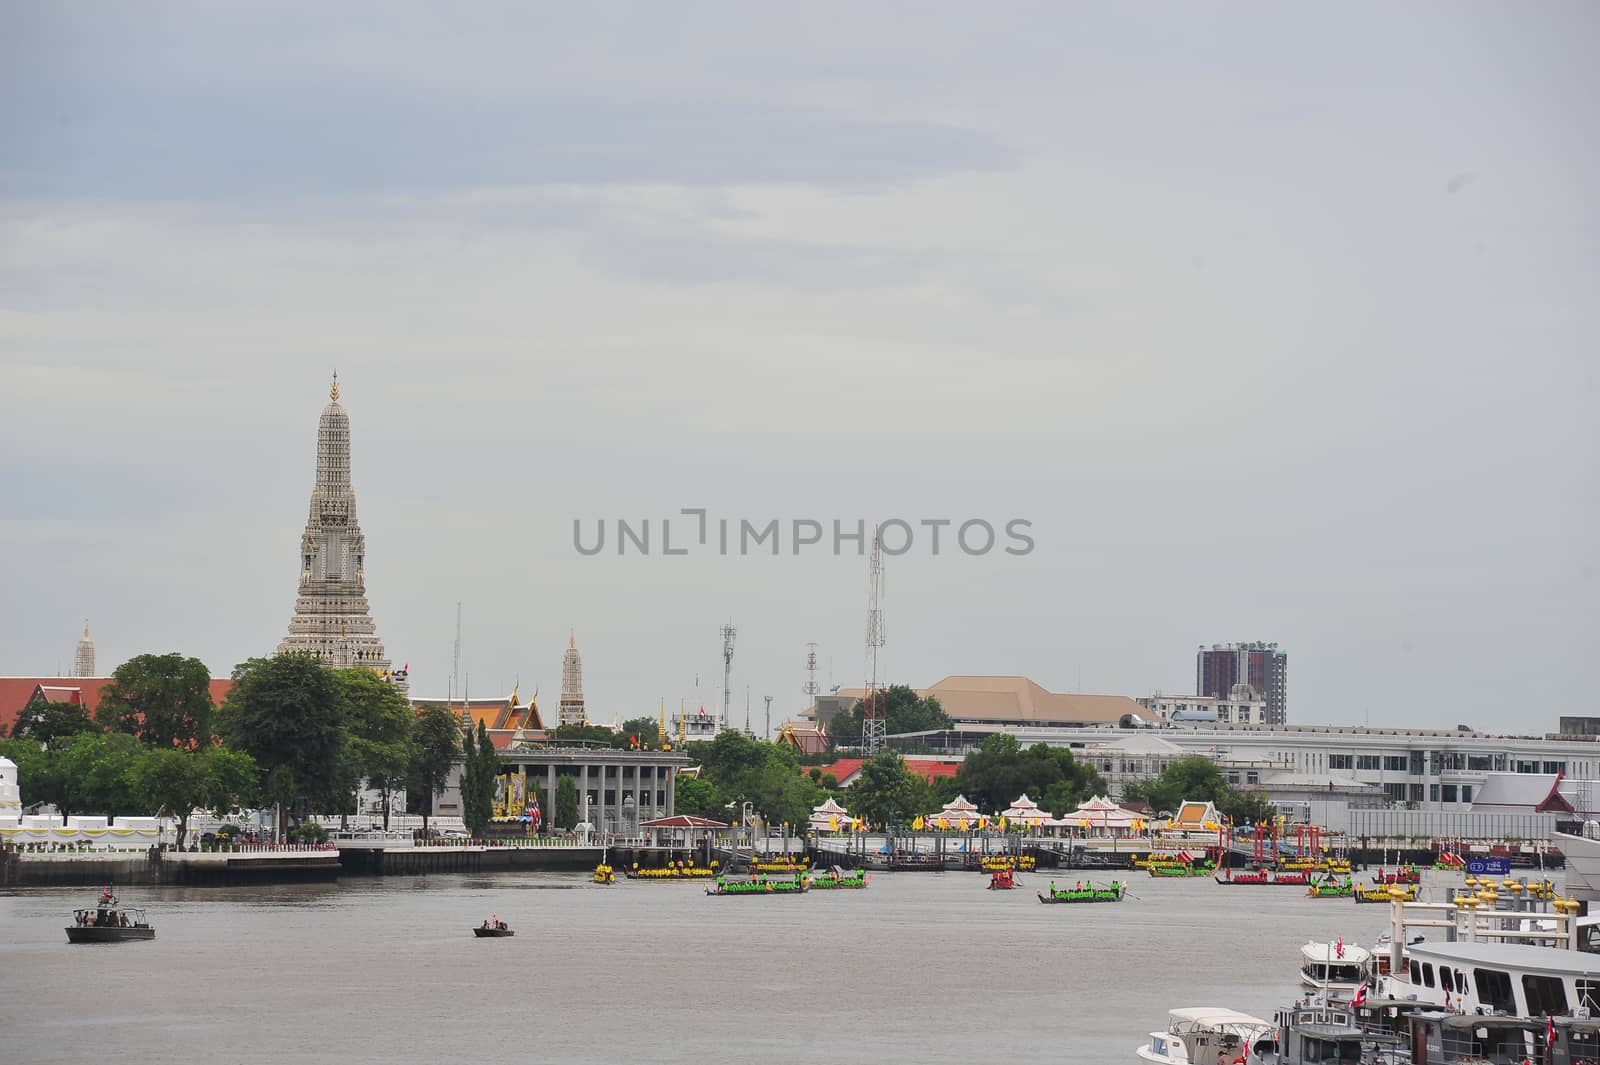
[
  {"x": 1333, "y": 970},
  {"x": 604, "y": 874},
  {"x": 1112, "y": 892},
  {"x": 1331, "y": 889},
  {"x": 838, "y": 879},
  {"x": 1205, "y": 1034},
  {"x": 494, "y": 928},
  {"x": 1004, "y": 880},
  {"x": 1385, "y": 892},
  {"x": 1262, "y": 878},
  {"x": 994, "y": 863},
  {"x": 1311, "y": 1034},
  {"x": 779, "y": 865},
  {"x": 1406, "y": 874},
  {"x": 797, "y": 886},
  {"x": 108, "y": 921},
  {"x": 676, "y": 871}
]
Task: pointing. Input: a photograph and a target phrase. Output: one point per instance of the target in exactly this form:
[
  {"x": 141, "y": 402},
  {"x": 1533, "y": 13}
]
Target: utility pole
[{"x": 768, "y": 698}]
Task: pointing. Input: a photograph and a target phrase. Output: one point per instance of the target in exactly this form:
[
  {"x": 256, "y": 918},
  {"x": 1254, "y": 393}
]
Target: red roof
[
  {"x": 17, "y": 692},
  {"x": 845, "y": 769},
  {"x": 682, "y": 821}
]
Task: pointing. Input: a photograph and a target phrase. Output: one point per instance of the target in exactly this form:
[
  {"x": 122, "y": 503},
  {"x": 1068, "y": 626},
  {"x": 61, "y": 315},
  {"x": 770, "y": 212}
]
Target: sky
[{"x": 1272, "y": 322}]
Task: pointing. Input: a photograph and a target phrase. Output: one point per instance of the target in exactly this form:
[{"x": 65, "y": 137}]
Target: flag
[
  {"x": 833, "y": 822},
  {"x": 1360, "y": 998},
  {"x": 1338, "y": 948},
  {"x": 702, "y": 710},
  {"x": 917, "y": 824},
  {"x": 1550, "y": 1031}
]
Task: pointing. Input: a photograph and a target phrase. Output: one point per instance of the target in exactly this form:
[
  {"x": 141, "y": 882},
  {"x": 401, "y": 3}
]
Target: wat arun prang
[{"x": 331, "y": 617}]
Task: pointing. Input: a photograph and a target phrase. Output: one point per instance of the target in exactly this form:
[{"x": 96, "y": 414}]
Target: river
[{"x": 919, "y": 967}]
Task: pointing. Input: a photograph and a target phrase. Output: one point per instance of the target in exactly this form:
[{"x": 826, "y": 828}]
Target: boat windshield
[{"x": 1316, "y": 1050}]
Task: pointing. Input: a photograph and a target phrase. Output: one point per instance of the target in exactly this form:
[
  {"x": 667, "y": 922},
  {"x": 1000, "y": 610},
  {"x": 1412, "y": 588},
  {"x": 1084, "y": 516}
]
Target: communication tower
[
  {"x": 873, "y": 720},
  {"x": 728, "y": 633},
  {"x": 811, "y": 688}
]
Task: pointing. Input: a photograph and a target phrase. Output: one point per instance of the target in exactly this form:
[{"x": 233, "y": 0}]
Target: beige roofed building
[{"x": 1012, "y": 700}]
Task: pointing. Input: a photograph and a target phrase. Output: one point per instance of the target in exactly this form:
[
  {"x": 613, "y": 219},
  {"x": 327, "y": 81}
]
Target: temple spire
[
  {"x": 331, "y": 616},
  {"x": 83, "y": 657}
]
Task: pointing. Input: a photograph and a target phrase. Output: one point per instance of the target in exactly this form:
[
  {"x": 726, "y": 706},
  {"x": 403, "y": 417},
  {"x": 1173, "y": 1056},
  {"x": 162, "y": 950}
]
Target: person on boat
[{"x": 1052, "y": 887}]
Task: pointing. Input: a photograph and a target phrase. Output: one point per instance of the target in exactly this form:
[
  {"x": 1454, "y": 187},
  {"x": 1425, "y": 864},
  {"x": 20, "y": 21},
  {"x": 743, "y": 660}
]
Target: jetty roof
[{"x": 683, "y": 821}]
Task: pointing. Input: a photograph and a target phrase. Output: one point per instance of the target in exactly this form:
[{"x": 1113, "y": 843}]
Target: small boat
[
  {"x": 759, "y": 887},
  {"x": 1262, "y": 878},
  {"x": 1406, "y": 874},
  {"x": 493, "y": 929},
  {"x": 1331, "y": 889},
  {"x": 108, "y": 922},
  {"x": 1004, "y": 880},
  {"x": 1207, "y": 1034},
  {"x": 1385, "y": 892},
  {"x": 1333, "y": 970},
  {"x": 839, "y": 879},
  {"x": 1112, "y": 892}
]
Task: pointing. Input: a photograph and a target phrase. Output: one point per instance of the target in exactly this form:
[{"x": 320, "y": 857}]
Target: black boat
[
  {"x": 493, "y": 929},
  {"x": 108, "y": 922}
]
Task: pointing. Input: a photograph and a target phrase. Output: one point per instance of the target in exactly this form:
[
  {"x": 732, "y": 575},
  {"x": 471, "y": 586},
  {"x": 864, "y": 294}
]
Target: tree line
[{"x": 290, "y": 733}]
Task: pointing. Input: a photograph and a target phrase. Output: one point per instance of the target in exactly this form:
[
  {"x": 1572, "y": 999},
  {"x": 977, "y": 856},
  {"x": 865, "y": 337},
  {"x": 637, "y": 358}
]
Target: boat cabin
[
  {"x": 1316, "y": 1035},
  {"x": 1513, "y": 979}
]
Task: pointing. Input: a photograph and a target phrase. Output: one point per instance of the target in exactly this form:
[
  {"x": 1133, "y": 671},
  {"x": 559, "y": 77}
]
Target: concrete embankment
[{"x": 170, "y": 867}]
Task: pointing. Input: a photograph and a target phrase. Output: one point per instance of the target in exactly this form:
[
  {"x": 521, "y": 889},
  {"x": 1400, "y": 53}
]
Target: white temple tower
[
  {"x": 572, "y": 710},
  {"x": 83, "y": 657},
  {"x": 331, "y": 617}
]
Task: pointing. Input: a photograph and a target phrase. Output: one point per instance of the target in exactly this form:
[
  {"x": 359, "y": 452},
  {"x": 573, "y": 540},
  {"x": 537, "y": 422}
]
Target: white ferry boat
[
  {"x": 1333, "y": 971},
  {"x": 1205, "y": 1034}
]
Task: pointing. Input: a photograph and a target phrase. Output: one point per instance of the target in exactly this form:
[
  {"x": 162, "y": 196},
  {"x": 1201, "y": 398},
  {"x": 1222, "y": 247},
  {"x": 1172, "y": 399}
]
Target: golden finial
[
  {"x": 572, "y": 638},
  {"x": 333, "y": 393}
]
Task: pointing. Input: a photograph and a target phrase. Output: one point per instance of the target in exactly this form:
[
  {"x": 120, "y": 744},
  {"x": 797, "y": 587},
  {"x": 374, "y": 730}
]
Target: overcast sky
[{"x": 1275, "y": 322}]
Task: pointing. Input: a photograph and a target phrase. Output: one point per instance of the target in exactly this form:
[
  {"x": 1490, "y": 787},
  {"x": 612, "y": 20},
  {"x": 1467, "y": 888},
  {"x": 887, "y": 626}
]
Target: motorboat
[
  {"x": 494, "y": 928},
  {"x": 109, "y": 922},
  {"x": 1205, "y": 1035},
  {"x": 1309, "y": 1034},
  {"x": 1333, "y": 970}
]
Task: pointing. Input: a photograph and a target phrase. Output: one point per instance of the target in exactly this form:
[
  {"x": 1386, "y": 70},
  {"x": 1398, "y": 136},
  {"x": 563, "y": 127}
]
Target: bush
[{"x": 310, "y": 832}]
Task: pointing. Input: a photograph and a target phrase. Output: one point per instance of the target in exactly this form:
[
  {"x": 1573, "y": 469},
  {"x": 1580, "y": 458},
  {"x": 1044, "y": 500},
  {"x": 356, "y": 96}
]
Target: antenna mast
[
  {"x": 768, "y": 698},
  {"x": 873, "y": 722},
  {"x": 728, "y": 633},
  {"x": 811, "y": 688},
  {"x": 455, "y": 661}
]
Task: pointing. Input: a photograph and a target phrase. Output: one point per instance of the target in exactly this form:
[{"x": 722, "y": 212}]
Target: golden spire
[
  {"x": 333, "y": 393},
  {"x": 572, "y": 638}
]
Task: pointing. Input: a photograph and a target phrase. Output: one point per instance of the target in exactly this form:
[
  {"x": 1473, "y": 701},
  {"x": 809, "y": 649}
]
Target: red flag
[
  {"x": 702, "y": 710},
  {"x": 1550, "y": 1031},
  {"x": 1360, "y": 998}
]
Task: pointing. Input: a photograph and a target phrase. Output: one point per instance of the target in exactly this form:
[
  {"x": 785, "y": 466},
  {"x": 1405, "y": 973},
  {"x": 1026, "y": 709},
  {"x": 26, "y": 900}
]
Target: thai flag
[
  {"x": 1550, "y": 1031},
  {"x": 1360, "y": 998},
  {"x": 1338, "y": 948}
]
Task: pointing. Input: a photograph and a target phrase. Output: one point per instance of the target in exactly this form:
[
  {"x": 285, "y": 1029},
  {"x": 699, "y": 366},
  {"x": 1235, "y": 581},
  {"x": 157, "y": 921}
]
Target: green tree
[
  {"x": 46, "y": 721},
  {"x": 477, "y": 783},
  {"x": 700, "y": 797},
  {"x": 287, "y": 714},
  {"x": 39, "y": 771},
  {"x": 97, "y": 774},
  {"x": 181, "y": 782},
  {"x": 566, "y": 809},
  {"x": 904, "y": 711},
  {"x": 587, "y": 733},
  {"x": 884, "y": 789},
  {"x": 380, "y": 723},
  {"x": 642, "y": 728},
  {"x": 436, "y": 739},
  {"x": 765, "y": 774},
  {"x": 165, "y": 700},
  {"x": 1001, "y": 771},
  {"x": 1197, "y": 779}
]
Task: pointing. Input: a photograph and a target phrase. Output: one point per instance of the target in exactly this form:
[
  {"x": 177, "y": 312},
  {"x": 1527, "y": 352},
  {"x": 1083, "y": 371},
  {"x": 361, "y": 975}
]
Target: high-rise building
[
  {"x": 331, "y": 617},
  {"x": 83, "y": 657},
  {"x": 572, "y": 709},
  {"x": 1261, "y": 665}
]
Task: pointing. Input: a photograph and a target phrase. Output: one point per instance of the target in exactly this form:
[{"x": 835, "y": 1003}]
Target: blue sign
[{"x": 1489, "y": 866}]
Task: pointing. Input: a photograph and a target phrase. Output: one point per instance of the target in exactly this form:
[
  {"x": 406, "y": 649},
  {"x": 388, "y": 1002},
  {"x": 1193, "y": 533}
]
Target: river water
[{"x": 920, "y": 967}]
